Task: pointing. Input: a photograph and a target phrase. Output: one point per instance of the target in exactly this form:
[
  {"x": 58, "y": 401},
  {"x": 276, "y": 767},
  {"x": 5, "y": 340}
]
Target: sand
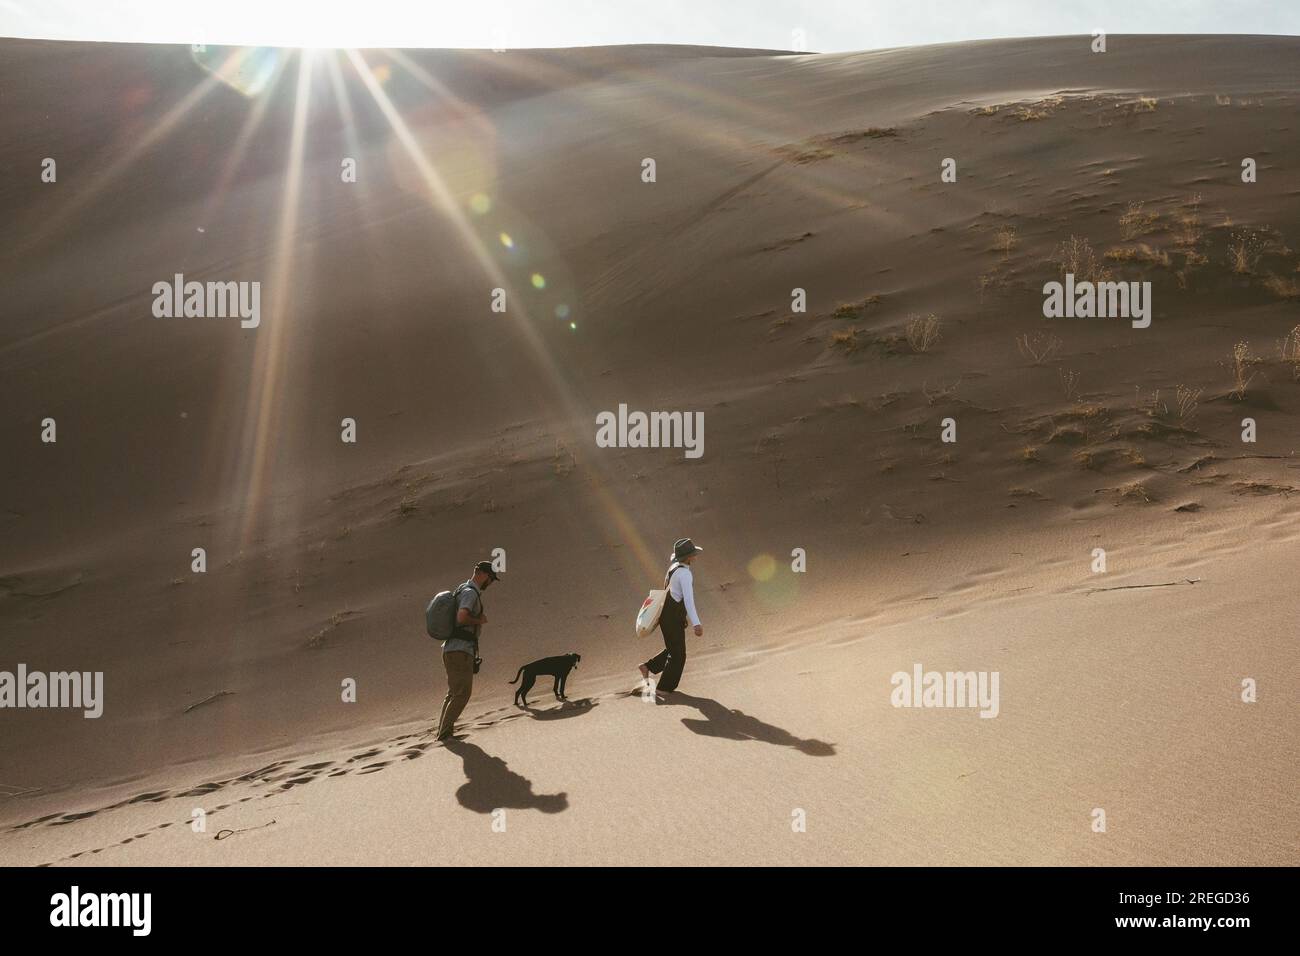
[{"x": 1119, "y": 690}]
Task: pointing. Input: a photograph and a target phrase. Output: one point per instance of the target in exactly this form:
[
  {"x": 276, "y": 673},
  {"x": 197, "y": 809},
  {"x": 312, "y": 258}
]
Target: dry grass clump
[
  {"x": 1038, "y": 110},
  {"x": 1244, "y": 251},
  {"x": 1189, "y": 231},
  {"x": 990, "y": 280},
  {"x": 1024, "y": 493},
  {"x": 1151, "y": 407},
  {"x": 317, "y": 640},
  {"x": 871, "y": 132},
  {"x": 802, "y": 156},
  {"x": 853, "y": 310},
  {"x": 1290, "y": 351},
  {"x": 1069, "y": 384},
  {"x": 1133, "y": 456},
  {"x": 1187, "y": 236},
  {"x": 847, "y": 340},
  {"x": 1242, "y": 366},
  {"x": 1140, "y": 253},
  {"x": 1076, "y": 257},
  {"x": 1038, "y": 347},
  {"x": 1087, "y": 458},
  {"x": 943, "y": 393},
  {"x": 1284, "y": 287},
  {"x": 1188, "y": 401},
  {"x": 1143, "y": 104},
  {"x": 1136, "y": 221},
  {"x": 1006, "y": 240},
  {"x": 923, "y": 332},
  {"x": 1134, "y": 490}
]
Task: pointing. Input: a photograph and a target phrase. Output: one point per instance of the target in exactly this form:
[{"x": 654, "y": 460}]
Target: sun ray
[
  {"x": 443, "y": 200},
  {"x": 267, "y": 381},
  {"x": 241, "y": 144},
  {"x": 127, "y": 157}
]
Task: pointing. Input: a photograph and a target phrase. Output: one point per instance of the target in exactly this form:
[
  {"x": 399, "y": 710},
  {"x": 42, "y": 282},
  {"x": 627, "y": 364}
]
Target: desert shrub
[
  {"x": 1242, "y": 365},
  {"x": 1006, "y": 240},
  {"x": 1136, "y": 221},
  {"x": 1038, "y": 347},
  {"x": 1075, "y": 256},
  {"x": 1244, "y": 251},
  {"x": 922, "y": 332},
  {"x": 1290, "y": 351}
]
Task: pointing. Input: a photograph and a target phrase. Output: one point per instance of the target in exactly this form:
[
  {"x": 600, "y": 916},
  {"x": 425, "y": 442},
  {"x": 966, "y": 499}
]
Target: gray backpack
[{"x": 440, "y": 614}]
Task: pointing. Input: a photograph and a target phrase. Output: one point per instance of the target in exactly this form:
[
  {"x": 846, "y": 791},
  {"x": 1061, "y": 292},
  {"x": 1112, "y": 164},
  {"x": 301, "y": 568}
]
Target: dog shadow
[
  {"x": 567, "y": 709},
  {"x": 490, "y": 784},
  {"x": 728, "y": 724}
]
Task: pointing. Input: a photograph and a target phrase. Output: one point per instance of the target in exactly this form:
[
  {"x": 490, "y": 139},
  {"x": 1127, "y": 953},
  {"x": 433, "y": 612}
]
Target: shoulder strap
[
  {"x": 455, "y": 597},
  {"x": 668, "y": 579}
]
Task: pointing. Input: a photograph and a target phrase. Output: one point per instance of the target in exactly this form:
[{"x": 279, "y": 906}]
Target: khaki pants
[{"x": 460, "y": 683}]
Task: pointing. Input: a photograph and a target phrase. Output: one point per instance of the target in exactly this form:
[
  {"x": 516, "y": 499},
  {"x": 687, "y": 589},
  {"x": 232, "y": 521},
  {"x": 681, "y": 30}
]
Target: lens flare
[
  {"x": 506, "y": 240},
  {"x": 539, "y": 281},
  {"x": 762, "y": 568},
  {"x": 772, "y": 590},
  {"x": 250, "y": 70},
  {"x": 480, "y": 204}
]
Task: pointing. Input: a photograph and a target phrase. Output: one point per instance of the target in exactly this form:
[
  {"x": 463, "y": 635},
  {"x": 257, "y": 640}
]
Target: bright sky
[{"x": 826, "y": 25}]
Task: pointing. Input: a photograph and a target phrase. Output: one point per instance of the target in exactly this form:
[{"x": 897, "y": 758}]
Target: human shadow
[
  {"x": 567, "y": 709},
  {"x": 728, "y": 724},
  {"x": 490, "y": 784}
]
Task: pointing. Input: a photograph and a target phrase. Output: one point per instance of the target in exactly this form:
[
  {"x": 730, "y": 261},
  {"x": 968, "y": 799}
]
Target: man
[
  {"x": 460, "y": 651},
  {"x": 679, "y": 608}
]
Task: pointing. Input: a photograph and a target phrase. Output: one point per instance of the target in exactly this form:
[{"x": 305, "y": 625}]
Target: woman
[{"x": 679, "y": 609}]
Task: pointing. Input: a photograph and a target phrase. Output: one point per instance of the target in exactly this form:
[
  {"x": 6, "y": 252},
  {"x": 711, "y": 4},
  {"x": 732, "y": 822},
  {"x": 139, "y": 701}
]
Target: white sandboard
[{"x": 647, "y": 619}]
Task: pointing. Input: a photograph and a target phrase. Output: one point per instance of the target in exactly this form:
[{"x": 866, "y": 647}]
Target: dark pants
[{"x": 672, "y": 659}]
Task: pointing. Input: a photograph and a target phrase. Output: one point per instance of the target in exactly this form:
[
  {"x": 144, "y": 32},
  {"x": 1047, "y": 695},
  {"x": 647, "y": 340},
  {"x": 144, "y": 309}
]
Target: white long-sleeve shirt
[{"x": 682, "y": 588}]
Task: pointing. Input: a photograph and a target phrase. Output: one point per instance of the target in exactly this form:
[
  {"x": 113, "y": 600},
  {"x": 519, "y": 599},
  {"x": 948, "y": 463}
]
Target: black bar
[{"x": 237, "y": 905}]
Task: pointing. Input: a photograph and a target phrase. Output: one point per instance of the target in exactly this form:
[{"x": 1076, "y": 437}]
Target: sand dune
[{"x": 476, "y": 431}]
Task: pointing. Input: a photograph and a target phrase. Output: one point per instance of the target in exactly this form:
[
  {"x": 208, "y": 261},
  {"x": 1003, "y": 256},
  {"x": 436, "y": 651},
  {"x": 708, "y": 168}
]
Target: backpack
[
  {"x": 440, "y": 614},
  {"x": 647, "y": 619}
]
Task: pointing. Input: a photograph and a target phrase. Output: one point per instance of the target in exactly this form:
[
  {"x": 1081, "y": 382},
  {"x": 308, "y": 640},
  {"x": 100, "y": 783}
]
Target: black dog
[{"x": 557, "y": 667}]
